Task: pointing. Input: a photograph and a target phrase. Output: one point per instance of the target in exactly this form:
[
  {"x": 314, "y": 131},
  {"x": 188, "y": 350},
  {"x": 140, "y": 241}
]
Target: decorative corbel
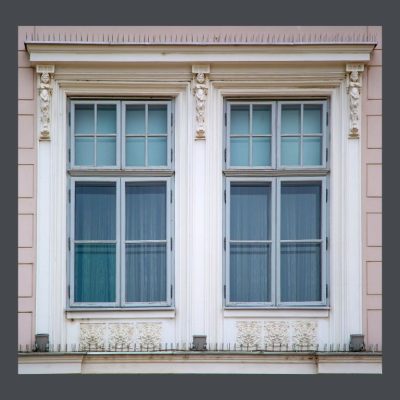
[
  {"x": 200, "y": 90},
  {"x": 353, "y": 84},
  {"x": 45, "y": 91}
]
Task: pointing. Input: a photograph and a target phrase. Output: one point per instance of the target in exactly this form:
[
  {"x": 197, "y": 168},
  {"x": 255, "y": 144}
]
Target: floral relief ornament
[
  {"x": 121, "y": 336},
  {"x": 149, "y": 335},
  {"x": 305, "y": 334},
  {"x": 200, "y": 91},
  {"x": 248, "y": 333},
  {"x": 92, "y": 336},
  {"x": 276, "y": 333}
]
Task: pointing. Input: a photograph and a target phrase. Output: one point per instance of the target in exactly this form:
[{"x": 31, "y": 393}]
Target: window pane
[
  {"x": 135, "y": 151},
  {"x": 84, "y": 118},
  {"x": 94, "y": 277},
  {"x": 146, "y": 272},
  {"x": 300, "y": 211},
  {"x": 84, "y": 150},
  {"x": 157, "y": 150},
  {"x": 261, "y": 119},
  {"x": 158, "y": 119},
  {"x": 95, "y": 209},
  {"x": 250, "y": 273},
  {"x": 300, "y": 272},
  {"x": 312, "y": 150},
  {"x": 250, "y": 211},
  {"x": 106, "y": 151},
  {"x": 146, "y": 211},
  {"x": 135, "y": 119},
  {"x": 261, "y": 151},
  {"x": 239, "y": 152},
  {"x": 106, "y": 118},
  {"x": 312, "y": 118},
  {"x": 290, "y": 151},
  {"x": 290, "y": 119},
  {"x": 240, "y": 120}
]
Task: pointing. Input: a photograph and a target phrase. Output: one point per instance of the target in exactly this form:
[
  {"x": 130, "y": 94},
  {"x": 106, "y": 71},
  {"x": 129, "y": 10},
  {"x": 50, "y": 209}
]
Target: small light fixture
[
  {"x": 357, "y": 343},
  {"x": 199, "y": 342},
  {"x": 42, "y": 342}
]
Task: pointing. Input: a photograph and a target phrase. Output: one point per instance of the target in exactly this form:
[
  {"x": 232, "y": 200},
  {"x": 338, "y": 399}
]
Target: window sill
[
  {"x": 309, "y": 312},
  {"x": 112, "y": 313}
]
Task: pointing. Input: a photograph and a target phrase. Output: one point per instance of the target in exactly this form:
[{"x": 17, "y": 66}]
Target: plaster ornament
[
  {"x": 248, "y": 334},
  {"x": 45, "y": 91},
  {"x": 149, "y": 334},
  {"x": 200, "y": 91},
  {"x": 276, "y": 334},
  {"x": 305, "y": 334},
  {"x": 354, "y": 84},
  {"x": 120, "y": 336},
  {"x": 92, "y": 336}
]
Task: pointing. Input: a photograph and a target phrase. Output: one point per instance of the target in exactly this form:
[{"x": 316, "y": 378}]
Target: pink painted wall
[
  {"x": 371, "y": 171},
  {"x": 26, "y": 193},
  {"x": 372, "y": 195}
]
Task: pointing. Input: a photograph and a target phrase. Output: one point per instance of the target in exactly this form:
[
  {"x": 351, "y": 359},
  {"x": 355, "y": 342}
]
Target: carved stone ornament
[
  {"x": 200, "y": 90},
  {"x": 45, "y": 92},
  {"x": 354, "y": 84},
  {"x": 149, "y": 335},
  {"x": 276, "y": 333},
  {"x": 248, "y": 334},
  {"x": 92, "y": 336},
  {"x": 305, "y": 334},
  {"x": 120, "y": 336}
]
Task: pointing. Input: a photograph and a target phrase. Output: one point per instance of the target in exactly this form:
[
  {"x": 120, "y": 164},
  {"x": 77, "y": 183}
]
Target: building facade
[{"x": 187, "y": 184}]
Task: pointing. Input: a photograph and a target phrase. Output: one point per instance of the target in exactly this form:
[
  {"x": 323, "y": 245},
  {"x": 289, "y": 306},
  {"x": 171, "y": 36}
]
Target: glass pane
[
  {"x": 146, "y": 211},
  {"x": 301, "y": 272},
  {"x": 157, "y": 150},
  {"x": 250, "y": 273},
  {"x": 84, "y": 118},
  {"x": 312, "y": 122},
  {"x": 158, "y": 119},
  {"x": 290, "y": 119},
  {"x": 240, "y": 120},
  {"x": 135, "y": 119},
  {"x": 135, "y": 151},
  {"x": 95, "y": 209},
  {"x": 300, "y": 211},
  {"x": 84, "y": 150},
  {"x": 146, "y": 272},
  {"x": 250, "y": 211},
  {"x": 239, "y": 152},
  {"x": 106, "y": 151},
  {"x": 290, "y": 151},
  {"x": 94, "y": 278},
  {"x": 261, "y": 151},
  {"x": 106, "y": 118},
  {"x": 261, "y": 119},
  {"x": 312, "y": 150}
]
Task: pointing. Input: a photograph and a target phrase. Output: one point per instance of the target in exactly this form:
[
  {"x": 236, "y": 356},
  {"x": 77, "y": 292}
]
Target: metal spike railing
[{"x": 189, "y": 347}]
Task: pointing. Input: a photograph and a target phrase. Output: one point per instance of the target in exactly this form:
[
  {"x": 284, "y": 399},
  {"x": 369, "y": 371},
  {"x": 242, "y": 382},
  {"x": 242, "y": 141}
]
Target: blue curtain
[
  {"x": 146, "y": 263},
  {"x": 95, "y": 263},
  {"x": 300, "y": 262},
  {"x": 250, "y": 263}
]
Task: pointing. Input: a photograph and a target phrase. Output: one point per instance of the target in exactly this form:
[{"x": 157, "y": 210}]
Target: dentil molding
[
  {"x": 354, "y": 84},
  {"x": 46, "y": 73}
]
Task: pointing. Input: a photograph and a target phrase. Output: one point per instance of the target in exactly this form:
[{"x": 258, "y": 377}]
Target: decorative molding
[
  {"x": 200, "y": 90},
  {"x": 248, "y": 333},
  {"x": 276, "y": 333},
  {"x": 354, "y": 84},
  {"x": 92, "y": 336},
  {"x": 149, "y": 334},
  {"x": 305, "y": 333},
  {"x": 45, "y": 91},
  {"x": 120, "y": 335}
]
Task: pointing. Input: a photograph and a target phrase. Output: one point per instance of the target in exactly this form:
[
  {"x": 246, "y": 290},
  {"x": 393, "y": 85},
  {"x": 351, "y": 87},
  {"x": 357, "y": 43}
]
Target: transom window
[
  {"x": 276, "y": 201},
  {"x": 121, "y": 191}
]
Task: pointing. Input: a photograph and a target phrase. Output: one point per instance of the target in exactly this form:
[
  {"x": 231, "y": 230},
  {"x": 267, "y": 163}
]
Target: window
[
  {"x": 276, "y": 203},
  {"x": 120, "y": 196}
]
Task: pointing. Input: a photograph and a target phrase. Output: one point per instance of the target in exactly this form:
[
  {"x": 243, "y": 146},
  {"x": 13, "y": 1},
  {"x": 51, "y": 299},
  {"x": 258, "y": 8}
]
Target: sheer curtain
[
  {"x": 300, "y": 221},
  {"x": 95, "y": 242},
  {"x": 145, "y": 242},
  {"x": 250, "y": 253}
]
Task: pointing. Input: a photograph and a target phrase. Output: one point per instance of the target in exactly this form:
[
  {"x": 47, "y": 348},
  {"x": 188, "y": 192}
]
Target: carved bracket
[
  {"x": 45, "y": 91},
  {"x": 200, "y": 84},
  {"x": 354, "y": 84}
]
